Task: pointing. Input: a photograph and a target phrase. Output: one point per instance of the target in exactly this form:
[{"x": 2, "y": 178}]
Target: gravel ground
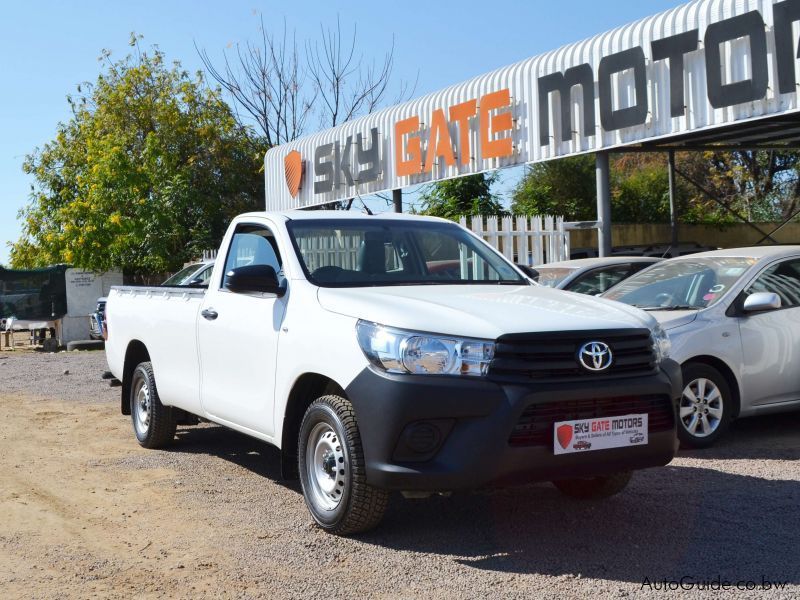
[{"x": 227, "y": 526}]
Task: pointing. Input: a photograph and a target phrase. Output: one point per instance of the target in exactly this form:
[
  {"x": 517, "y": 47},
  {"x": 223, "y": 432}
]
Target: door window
[
  {"x": 783, "y": 279},
  {"x": 252, "y": 245}
]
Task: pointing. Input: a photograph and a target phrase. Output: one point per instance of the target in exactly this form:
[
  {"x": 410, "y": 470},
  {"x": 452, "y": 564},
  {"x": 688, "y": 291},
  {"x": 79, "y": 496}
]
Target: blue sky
[{"x": 48, "y": 47}]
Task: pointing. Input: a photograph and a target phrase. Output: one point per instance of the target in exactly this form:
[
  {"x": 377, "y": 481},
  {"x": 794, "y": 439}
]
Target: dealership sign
[{"x": 702, "y": 65}]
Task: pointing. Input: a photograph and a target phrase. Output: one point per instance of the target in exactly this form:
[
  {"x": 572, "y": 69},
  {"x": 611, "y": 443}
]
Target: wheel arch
[
  {"x": 306, "y": 388},
  {"x": 721, "y": 366},
  {"x": 135, "y": 353}
]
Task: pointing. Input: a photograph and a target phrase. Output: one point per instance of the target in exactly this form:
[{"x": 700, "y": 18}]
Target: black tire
[
  {"x": 693, "y": 374},
  {"x": 159, "y": 429},
  {"x": 594, "y": 488},
  {"x": 329, "y": 452}
]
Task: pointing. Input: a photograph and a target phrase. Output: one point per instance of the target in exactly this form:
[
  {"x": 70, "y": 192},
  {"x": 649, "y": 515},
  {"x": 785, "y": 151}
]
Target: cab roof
[{"x": 309, "y": 215}]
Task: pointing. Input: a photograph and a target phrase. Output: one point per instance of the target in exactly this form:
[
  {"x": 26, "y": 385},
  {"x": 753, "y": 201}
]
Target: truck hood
[
  {"x": 481, "y": 311},
  {"x": 670, "y": 319}
]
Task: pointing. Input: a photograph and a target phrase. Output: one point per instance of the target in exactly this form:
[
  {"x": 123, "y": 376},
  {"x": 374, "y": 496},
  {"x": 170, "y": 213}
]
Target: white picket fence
[{"x": 526, "y": 240}]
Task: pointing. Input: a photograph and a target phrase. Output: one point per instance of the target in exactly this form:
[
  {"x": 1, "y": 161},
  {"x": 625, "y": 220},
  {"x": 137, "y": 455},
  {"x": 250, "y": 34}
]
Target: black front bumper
[{"x": 425, "y": 433}]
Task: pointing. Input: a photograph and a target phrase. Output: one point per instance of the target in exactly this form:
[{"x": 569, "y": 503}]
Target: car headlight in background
[
  {"x": 661, "y": 343},
  {"x": 398, "y": 351}
]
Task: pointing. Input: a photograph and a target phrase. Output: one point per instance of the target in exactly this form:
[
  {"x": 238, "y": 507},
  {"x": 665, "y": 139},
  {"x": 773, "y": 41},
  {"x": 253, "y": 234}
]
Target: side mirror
[
  {"x": 529, "y": 271},
  {"x": 196, "y": 282},
  {"x": 761, "y": 301},
  {"x": 253, "y": 278}
]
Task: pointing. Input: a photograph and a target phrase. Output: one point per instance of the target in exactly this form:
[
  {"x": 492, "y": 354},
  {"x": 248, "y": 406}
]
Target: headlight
[
  {"x": 397, "y": 351},
  {"x": 661, "y": 343}
]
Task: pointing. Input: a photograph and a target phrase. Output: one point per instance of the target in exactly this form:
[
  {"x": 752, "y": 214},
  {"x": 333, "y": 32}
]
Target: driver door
[
  {"x": 771, "y": 339},
  {"x": 238, "y": 338}
]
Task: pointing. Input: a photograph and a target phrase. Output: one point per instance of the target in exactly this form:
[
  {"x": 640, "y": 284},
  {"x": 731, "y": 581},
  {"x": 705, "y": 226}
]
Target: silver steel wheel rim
[
  {"x": 326, "y": 467},
  {"x": 701, "y": 407},
  {"x": 142, "y": 407}
]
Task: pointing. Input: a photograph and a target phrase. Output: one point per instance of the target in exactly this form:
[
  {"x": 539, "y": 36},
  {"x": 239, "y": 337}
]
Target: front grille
[
  {"x": 535, "y": 425},
  {"x": 554, "y": 355}
]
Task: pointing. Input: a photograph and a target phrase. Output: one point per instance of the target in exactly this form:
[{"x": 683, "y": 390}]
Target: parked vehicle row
[{"x": 404, "y": 353}]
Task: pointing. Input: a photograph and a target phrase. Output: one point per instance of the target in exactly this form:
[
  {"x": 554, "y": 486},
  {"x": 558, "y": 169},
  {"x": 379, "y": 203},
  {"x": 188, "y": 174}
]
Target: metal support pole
[
  {"x": 673, "y": 209},
  {"x": 397, "y": 199},
  {"x": 603, "y": 204}
]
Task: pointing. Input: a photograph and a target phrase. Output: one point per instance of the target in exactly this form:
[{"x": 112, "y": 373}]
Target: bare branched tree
[
  {"x": 274, "y": 88},
  {"x": 266, "y": 83},
  {"x": 348, "y": 87}
]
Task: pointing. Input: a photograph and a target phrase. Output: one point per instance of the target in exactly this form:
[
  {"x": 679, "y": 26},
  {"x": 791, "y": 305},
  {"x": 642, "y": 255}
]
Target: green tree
[
  {"x": 758, "y": 185},
  {"x": 640, "y": 189},
  {"x": 144, "y": 175},
  {"x": 558, "y": 187},
  {"x": 469, "y": 195}
]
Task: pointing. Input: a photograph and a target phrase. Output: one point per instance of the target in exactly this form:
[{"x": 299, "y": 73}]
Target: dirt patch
[
  {"x": 85, "y": 512},
  {"x": 72, "y": 527}
]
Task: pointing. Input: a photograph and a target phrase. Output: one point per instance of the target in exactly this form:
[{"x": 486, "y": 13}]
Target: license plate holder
[{"x": 599, "y": 433}]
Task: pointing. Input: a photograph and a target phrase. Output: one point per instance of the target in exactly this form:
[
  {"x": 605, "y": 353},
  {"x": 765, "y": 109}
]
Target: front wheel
[
  {"x": 706, "y": 406},
  {"x": 594, "y": 488},
  {"x": 332, "y": 469}
]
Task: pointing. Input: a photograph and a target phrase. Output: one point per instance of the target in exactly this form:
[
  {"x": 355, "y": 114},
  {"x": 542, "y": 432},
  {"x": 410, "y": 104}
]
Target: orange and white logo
[{"x": 293, "y": 167}]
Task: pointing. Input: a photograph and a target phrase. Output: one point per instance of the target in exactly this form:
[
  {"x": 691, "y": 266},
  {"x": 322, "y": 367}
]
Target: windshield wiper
[{"x": 673, "y": 307}]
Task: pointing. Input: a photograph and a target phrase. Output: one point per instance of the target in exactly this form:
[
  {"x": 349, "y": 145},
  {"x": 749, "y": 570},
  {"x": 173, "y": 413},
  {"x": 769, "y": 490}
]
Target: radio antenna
[{"x": 364, "y": 204}]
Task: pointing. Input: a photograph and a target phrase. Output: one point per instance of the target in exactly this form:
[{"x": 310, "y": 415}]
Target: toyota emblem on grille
[{"x": 595, "y": 356}]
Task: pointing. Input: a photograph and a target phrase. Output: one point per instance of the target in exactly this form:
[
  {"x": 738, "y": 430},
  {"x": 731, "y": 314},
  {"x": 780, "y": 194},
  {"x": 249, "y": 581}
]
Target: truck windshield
[{"x": 359, "y": 252}]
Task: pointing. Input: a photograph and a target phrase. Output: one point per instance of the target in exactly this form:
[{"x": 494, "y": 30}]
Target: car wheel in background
[
  {"x": 706, "y": 406},
  {"x": 153, "y": 423},
  {"x": 594, "y": 488},
  {"x": 333, "y": 472}
]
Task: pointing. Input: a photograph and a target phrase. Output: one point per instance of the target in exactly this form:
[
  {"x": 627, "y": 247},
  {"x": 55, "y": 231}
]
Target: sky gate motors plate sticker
[{"x": 599, "y": 433}]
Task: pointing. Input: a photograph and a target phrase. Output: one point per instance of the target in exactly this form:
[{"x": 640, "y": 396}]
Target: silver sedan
[{"x": 733, "y": 319}]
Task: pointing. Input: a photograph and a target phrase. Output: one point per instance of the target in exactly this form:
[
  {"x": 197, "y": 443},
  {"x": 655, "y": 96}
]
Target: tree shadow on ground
[
  {"x": 670, "y": 522},
  {"x": 771, "y": 437}
]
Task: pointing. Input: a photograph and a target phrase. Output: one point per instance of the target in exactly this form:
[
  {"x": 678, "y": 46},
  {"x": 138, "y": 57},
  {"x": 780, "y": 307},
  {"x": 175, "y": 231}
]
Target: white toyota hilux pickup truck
[{"x": 394, "y": 352}]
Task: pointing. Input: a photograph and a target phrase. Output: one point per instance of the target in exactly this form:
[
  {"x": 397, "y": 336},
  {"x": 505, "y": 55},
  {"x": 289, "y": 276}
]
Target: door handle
[{"x": 209, "y": 314}]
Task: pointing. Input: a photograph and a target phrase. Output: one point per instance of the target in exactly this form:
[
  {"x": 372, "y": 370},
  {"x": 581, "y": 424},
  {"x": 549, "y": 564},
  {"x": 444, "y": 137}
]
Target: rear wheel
[
  {"x": 706, "y": 406},
  {"x": 594, "y": 488},
  {"x": 332, "y": 469},
  {"x": 153, "y": 423}
]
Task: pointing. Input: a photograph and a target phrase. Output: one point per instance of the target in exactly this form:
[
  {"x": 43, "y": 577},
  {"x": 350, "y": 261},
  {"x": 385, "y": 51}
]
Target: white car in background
[
  {"x": 591, "y": 276},
  {"x": 192, "y": 275},
  {"x": 733, "y": 318}
]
